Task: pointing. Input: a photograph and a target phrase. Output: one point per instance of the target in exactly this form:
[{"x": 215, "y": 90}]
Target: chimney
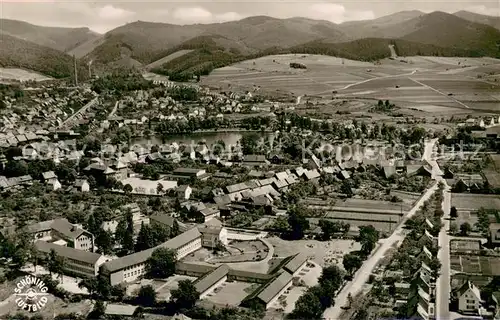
[{"x": 76, "y": 72}]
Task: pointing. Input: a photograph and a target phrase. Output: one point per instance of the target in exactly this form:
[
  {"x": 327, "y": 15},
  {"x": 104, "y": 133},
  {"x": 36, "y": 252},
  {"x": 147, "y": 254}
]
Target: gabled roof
[
  {"x": 236, "y": 187},
  {"x": 41, "y": 226},
  {"x": 389, "y": 171},
  {"x": 66, "y": 229},
  {"x": 312, "y": 174},
  {"x": 469, "y": 286},
  {"x": 254, "y": 158},
  {"x": 49, "y": 175},
  {"x": 209, "y": 211},
  {"x": 142, "y": 256},
  {"x": 208, "y": 280},
  {"x": 268, "y": 291},
  {"x": 163, "y": 219},
  {"x": 67, "y": 252},
  {"x": 295, "y": 263},
  {"x": 120, "y": 309},
  {"x": 79, "y": 182}
]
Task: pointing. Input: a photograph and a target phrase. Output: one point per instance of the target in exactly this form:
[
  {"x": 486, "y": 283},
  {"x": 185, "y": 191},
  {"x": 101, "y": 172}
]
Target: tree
[
  {"x": 333, "y": 275},
  {"x": 281, "y": 224},
  {"x": 298, "y": 223},
  {"x": 346, "y": 188},
  {"x": 465, "y": 229},
  {"x": 453, "y": 213},
  {"x": 368, "y": 236},
  {"x": 90, "y": 284},
  {"x": 249, "y": 143},
  {"x": 145, "y": 238},
  {"x": 161, "y": 264},
  {"x": 330, "y": 228},
  {"x": 186, "y": 295},
  {"x": 159, "y": 188},
  {"x": 453, "y": 228},
  {"x": 307, "y": 306},
  {"x": 174, "y": 232},
  {"x": 160, "y": 233},
  {"x": 127, "y": 188},
  {"x": 352, "y": 262},
  {"x": 121, "y": 230},
  {"x": 99, "y": 309},
  {"x": 55, "y": 263},
  {"x": 104, "y": 242},
  {"x": 146, "y": 296},
  {"x": 128, "y": 236}
]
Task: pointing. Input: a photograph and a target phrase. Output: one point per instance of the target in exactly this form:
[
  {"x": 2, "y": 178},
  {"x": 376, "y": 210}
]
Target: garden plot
[
  {"x": 363, "y": 216},
  {"x": 486, "y": 266},
  {"x": 474, "y": 201},
  {"x": 372, "y": 204}
]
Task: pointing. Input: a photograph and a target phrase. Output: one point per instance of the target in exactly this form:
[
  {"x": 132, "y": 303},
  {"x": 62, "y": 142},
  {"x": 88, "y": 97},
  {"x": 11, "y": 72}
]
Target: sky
[{"x": 102, "y": 16}]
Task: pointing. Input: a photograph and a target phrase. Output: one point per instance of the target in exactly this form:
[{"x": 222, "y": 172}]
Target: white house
[
  {"x": 184, "y": 192},
  {"x": 54, "y": 184},
  {"x": 469, "y": 298},
  {"x": 82, "y": 185}
]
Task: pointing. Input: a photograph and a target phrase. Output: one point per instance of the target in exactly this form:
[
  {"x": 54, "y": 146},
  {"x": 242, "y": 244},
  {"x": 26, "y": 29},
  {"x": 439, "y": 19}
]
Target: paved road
[
  {"x": 81, "y": 110},
  {"x": 362, "y": 275},
  {"x": 114, "y": 109},
  {"x": 443, "y": 282}
]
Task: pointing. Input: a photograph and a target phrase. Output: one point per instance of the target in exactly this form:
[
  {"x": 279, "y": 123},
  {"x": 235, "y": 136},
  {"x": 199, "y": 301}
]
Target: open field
[
  {"x": 487, "y": 266},
  {"x": 21, "y": 75},
  {"x": 421, "y": 82},
  {"x": 474, "y": 201}
]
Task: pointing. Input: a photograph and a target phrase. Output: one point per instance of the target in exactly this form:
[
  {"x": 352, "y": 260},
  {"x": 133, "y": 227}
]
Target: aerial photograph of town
[{"x": 238, "y": 160}]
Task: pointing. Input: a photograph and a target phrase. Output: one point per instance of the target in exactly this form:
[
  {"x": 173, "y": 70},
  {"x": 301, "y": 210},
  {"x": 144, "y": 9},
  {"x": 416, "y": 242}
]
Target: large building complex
[{"x": 133, "y": 266}]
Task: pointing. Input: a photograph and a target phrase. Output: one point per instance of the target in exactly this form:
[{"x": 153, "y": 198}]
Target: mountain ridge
[
  {"x": 213, "y": 45},
  {"x": 59, "y": 38}
]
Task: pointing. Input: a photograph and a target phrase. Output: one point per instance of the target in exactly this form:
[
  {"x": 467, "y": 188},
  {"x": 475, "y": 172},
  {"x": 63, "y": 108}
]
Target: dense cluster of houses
[{"x": 41, "y": 117}]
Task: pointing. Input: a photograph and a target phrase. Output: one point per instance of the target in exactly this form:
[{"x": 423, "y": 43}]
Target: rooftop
[
  {"x": 208, "y": 280},
  {"x": 67, "y": 252},
  {"x": 142, "y": 256}
]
